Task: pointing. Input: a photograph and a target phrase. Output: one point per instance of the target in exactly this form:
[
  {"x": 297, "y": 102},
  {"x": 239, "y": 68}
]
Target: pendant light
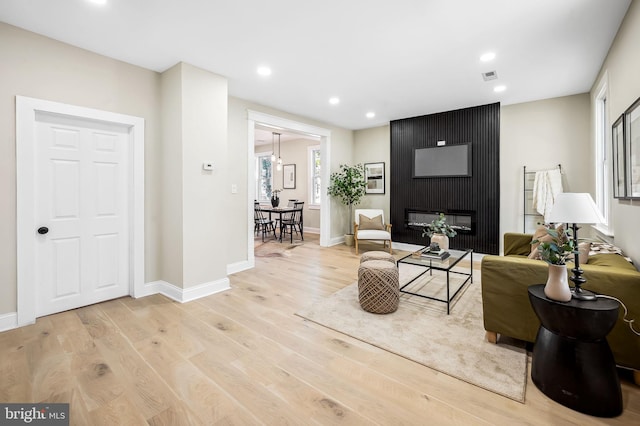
[
  {"x": 273, "y": 147},
  {"x": 279, "y": 166}
]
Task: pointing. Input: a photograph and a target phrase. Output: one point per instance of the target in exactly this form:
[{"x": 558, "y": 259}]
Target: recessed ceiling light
[
  {"x": 334, "y": 101},
  {"x": 500, "y": 88},
  {"x": 264, "y": 71},
  {"x": 371, "y": 114},
  {"x": 489, "y": 56},
  {"x": 100, "y": 2}
]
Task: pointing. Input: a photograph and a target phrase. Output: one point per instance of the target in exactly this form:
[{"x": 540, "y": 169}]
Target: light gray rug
[{"x": 421, "y": 330}]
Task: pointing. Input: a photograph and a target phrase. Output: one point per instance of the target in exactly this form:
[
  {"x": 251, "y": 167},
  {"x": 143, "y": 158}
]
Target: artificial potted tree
[
  {"x": 348, "y": 185},
  {"x": 439, "y": 231}
]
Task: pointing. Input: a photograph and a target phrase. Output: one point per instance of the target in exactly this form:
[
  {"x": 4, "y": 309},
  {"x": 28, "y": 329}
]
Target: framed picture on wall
[
  {"x": 374, "y": 176},
  {"x": 289, "y": 176},
  {"x": 632, "y": 150},
  {"x": 617, "y": 137}
]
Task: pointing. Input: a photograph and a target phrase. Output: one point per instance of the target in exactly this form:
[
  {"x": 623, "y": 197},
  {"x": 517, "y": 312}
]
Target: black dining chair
[
  {"x": 262, "y": 224},
  {"x": 294, "y": 223}
]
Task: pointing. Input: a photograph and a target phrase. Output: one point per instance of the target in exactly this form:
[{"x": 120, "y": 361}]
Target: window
[
  {"x": 602, "y": 148},
  {"x": 264, "y": 177},
  {"x": 315, "y": 182}
]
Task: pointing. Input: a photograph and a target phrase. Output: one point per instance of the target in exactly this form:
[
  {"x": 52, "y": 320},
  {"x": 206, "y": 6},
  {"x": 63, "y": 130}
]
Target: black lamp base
[{"x": 580, "y": 294}]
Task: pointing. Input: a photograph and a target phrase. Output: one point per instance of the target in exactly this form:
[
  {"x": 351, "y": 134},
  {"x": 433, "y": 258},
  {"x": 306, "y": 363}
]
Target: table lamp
[{"x": 574, "y": 208}]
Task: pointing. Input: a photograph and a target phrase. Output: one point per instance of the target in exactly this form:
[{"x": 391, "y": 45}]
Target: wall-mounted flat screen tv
[{"x": 442, "y": 161}]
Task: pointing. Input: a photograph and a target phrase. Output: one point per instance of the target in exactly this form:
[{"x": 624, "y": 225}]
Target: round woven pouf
[
  {"x": 377, "y": 255},
  {"x": 378, "y": 289}
]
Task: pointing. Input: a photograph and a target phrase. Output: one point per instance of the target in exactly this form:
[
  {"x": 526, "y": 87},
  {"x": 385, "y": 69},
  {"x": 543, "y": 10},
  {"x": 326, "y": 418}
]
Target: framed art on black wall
[{"x": 374, "y": 176}]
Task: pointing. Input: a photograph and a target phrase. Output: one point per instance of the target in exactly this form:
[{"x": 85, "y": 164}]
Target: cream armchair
[{"x": 370, "y": 225}]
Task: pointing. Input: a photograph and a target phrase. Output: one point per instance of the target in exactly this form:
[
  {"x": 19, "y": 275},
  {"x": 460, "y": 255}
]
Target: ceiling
[{"x": 399, "y": 58}]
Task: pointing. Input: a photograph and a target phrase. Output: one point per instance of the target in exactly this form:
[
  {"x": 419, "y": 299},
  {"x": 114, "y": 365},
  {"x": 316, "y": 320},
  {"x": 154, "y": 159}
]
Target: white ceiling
[{"x": 399, "y": 58}]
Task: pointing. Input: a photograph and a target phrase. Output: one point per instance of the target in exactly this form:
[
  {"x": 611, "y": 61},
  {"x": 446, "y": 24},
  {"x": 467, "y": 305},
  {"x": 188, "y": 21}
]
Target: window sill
[
  {"x": 603, "y": 230},
  {"x": 314, "y": 206}
]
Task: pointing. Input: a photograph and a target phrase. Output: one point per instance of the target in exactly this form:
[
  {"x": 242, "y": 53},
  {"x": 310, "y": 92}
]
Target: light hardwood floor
[{"x": 243, "y": 357}]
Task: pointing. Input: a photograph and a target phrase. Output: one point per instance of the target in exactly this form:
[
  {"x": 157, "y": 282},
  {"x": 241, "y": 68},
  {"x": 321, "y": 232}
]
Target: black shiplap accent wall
[{"x": 479, "y": 193}]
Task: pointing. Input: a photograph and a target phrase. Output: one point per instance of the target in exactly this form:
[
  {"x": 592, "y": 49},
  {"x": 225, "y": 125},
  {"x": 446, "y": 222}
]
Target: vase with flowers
[
  {"x": 439, "y": 231},
  {"x": 275, "y": 200},
  {"x": 555, "y": 248}
]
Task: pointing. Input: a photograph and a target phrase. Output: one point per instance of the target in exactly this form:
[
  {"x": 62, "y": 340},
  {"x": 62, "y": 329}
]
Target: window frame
[
  {"x": 602, "y": 156},
  {"x": 259, "y": 156},
  {"x": 311, "y": 175}
]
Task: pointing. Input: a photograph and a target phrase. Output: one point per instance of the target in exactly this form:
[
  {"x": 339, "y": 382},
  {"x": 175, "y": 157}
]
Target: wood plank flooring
[{"x": 242, "y": 357}]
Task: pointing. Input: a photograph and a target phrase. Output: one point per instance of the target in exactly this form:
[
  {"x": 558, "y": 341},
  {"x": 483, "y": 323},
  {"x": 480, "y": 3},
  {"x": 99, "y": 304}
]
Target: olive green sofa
[{"x": 505, "y": 301}]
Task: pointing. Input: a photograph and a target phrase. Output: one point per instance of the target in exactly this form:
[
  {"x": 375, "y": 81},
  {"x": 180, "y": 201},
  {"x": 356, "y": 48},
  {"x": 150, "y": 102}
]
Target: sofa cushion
[
  {"x": 370, "y": 223},
  {"x": 611, "y": 260}
]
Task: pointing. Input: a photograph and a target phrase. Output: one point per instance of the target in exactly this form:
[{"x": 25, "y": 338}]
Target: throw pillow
[
  {"x": 370, "y": 223},
  {"x": 584, "y": 248}
]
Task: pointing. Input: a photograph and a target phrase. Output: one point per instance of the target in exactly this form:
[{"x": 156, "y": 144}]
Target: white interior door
[{"x": 81, "y": 211}]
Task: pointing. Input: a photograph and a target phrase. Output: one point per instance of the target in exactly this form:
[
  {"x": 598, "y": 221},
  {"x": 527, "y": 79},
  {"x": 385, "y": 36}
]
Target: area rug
[
  {"x": 421, "y": 330},
  {"x": 274, "y": 248}
]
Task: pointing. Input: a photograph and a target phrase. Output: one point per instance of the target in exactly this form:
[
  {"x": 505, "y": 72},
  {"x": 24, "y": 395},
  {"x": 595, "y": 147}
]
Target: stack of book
[{"x": 440, "y": 254}]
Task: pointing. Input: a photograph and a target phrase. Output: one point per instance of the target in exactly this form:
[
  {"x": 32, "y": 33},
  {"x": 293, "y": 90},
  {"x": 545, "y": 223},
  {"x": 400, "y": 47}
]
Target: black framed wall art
[
  {"x": 618, "y": 154},
  {"x": 289, "y": 176},
  {"x": 374, "y": 176},
  {"x": 632, "y": 150}
]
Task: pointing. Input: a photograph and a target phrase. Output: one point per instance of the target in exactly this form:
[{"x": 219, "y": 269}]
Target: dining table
[{"x": 279, "y": 211}]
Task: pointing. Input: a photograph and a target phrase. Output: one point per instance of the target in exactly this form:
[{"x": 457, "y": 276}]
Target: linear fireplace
[{"x": 462, "y": 221}]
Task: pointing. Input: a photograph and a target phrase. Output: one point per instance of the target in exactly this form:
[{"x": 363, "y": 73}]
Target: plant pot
[
  {"x": 275, "y": 201},
  {"x": 442, "y": 240},
  {"x": 557, "y": 286},
  {"x": 348, "y": 240}
]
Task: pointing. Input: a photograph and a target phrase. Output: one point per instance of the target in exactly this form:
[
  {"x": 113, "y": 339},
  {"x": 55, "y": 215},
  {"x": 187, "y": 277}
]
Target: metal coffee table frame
[{"x": 430, "y": 264}]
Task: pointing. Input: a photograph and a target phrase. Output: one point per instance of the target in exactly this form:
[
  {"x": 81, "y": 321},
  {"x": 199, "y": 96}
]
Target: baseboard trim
[
  {"x": 240, "y": 266},
  {"x": 189, "y": 294},
  {"x": 8, "y": 321},
  {"x": 336, "y": 240},
  {"x": 407, "y": 246}
]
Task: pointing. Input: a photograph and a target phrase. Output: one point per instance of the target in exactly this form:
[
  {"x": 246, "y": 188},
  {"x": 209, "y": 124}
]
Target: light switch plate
[{"x": 207, "y": 166}]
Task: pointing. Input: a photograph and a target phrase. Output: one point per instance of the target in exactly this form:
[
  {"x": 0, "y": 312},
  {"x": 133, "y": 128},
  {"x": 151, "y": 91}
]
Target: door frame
[
  {"x": 26, "y": 109},
  {"x": 256, "y": 117}
]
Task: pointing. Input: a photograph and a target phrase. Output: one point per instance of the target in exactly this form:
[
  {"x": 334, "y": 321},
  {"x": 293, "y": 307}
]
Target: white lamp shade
[{"x": 574, "y": 207}]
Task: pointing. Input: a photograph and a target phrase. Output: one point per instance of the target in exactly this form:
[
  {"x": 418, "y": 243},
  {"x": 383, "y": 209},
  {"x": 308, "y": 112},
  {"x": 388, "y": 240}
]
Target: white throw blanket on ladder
[{"x": 546, "y": 187}]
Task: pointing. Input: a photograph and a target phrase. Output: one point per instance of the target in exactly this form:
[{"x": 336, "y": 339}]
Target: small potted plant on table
[
  {"x": 439, "y": 231},
  {"x": 555, "y": 248},
  {"x": 275, "y": 200}
]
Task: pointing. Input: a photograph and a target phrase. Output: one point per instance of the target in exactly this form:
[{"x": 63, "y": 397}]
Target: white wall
[
  {"x": 541, "y": 135},
  {"x": 43, "y": 68},
  {"x": 622, "y": 67},
  {"x": 170, "y": 179},
  {"x": 204, "y": 193},
  {"x": 374, "y": 146}
]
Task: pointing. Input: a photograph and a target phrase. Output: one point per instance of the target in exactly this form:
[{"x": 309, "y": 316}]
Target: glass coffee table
[{"x": 432, "y": 263}]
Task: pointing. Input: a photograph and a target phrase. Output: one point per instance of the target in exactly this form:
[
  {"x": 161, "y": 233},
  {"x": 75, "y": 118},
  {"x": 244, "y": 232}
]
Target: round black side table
[{"x": 572, "y": 362}]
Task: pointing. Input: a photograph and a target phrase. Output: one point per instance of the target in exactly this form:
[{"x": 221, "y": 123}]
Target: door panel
[{"x": 82, "y": 197}]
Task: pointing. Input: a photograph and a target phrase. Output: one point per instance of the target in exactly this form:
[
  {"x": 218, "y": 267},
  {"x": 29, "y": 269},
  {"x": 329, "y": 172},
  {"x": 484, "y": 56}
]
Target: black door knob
[{"x": 43, "y": 230}]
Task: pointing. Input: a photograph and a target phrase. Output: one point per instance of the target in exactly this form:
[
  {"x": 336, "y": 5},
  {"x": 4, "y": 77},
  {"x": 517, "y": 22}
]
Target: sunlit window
[
  {"x": 315, "y": 182},
  {"x": 264, "y": 177},
  {"x": 602, "y": 144}
]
